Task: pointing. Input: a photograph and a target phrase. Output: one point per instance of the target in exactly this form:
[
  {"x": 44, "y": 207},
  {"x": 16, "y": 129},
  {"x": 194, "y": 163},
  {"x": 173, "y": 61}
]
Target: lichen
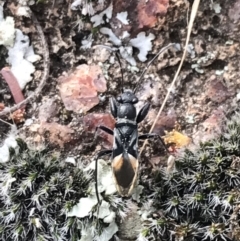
[{"x": 7, "y": 31}]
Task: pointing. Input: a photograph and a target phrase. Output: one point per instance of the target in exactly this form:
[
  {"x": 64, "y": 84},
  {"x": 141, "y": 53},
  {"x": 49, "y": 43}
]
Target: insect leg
[
  {"x": 113, "y": 107},
  {"x": 103, "y": 128},
  {"x": 100, "y": 154},
  {"x": 152, "y": 135},
  {"x": 143, "y": 112}
]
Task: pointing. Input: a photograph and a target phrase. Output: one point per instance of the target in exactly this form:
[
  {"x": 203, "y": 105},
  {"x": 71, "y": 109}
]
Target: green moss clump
[
  {"x": 200, "y": 199},
  {"x": 36, "y": 193}
]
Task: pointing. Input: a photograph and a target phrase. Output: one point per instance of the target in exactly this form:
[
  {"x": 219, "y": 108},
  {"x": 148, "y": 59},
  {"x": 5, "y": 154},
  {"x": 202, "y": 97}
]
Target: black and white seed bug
[{"x": 124, "y": 152}]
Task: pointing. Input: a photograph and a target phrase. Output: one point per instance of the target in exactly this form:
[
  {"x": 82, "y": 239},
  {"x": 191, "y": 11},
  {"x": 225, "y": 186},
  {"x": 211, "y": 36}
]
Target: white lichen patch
[
  {"x": 87, "y": 43},
  {"x": 108, "y": 232},
  {"x": 146, "y": 210},
  {"x": 71, "y": 160},
  {"x": 123, "y": 17},
  {"x": 20, "y": 57},
  {"x": 191, "y": 51},
  {"x": 112, "y": 37},
  {"x": 105, "y": 213},
  {"x": 7, "y": 31},
  {"x": 98, "y": 18},
  {"x": 204, "y": 61},
  {"x": 197, "y": 68},
  {"x": 216, "y": 7},
  {"x": 105, "y": 184},
  {"x": 110, "y": 218},
  {"x": 104, "y": 210},
  {"x": 125, "y": 34},
  {"x": 105, "y": 178},
  {"x": 85, "y": 5},
  {"x": 76, "y": 4},
  {"x": 144, "y": 44},
  {"x": 10, "y": 141},
  {"x": 88, "y": 231},
  {"x": 126, "y": 53},
  {"x": 84, "y": 207},
  {"x": 137, "y": 191}
]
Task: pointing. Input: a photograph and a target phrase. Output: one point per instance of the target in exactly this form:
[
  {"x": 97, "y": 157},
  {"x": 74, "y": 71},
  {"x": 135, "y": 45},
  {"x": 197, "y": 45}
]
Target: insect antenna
[
  {"x": 150, "y": 62},
  {"x": 115, "y": 50},
  {"x": 119, "y": 61}
]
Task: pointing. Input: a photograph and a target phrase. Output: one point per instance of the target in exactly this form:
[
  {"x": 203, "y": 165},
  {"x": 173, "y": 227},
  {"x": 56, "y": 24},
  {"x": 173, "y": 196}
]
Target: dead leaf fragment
[{"x": 79, "y": 89}]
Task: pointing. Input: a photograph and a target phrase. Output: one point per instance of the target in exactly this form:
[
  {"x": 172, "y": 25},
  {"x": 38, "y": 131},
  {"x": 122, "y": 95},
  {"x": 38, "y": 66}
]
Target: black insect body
[
  {"x": 124, "y": 157},
  {"x": 124, "y": 153},
  {"x": 125, "y": 148}
]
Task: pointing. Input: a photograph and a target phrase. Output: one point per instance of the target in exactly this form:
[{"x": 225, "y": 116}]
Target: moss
[
  {"x": 199, "y": 199},
  {"x": 37, "y": 191}
]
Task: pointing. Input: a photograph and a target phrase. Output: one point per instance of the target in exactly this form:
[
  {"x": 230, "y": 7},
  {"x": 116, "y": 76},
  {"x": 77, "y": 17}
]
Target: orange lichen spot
[{"x": 177, "y": 138}]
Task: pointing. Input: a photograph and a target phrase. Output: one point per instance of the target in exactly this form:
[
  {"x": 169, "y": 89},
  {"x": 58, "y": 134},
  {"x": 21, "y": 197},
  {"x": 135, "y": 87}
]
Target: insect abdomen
[{"x": 125, "y": 171}]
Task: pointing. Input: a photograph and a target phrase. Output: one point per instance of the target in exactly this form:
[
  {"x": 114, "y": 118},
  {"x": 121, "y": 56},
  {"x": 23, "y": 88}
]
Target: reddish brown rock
[
  {"x": 55, "y": 133},
  {"x": 214, "y": 122},
  {"x": 149, "y": 10},
  {"x": 217, "y": 91},
  {"x": 79, "y": 89},
  {"x": 91, "y": 121},
  {"x": 142, "y": 15},
  {"x": 234, "y": 11},
  {"x": 166, "y": 122}
]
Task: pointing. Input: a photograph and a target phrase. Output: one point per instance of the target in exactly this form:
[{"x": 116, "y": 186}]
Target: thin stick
[
  {"x": 45, "y": 74},
  {"x": 190, "y": 25}
]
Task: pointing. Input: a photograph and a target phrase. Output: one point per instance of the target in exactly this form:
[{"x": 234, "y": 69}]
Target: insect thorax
[{"x": 127, "y": 111}]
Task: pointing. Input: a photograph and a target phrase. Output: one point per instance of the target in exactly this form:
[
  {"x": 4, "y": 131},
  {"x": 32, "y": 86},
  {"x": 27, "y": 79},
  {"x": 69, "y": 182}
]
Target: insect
[{"x": 124, "y": 153}]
